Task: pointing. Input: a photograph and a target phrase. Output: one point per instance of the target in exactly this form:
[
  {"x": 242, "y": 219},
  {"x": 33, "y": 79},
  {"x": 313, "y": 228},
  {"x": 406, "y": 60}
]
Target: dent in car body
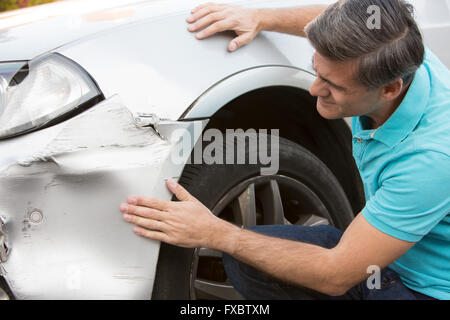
[{"x": 60, "y": 189}]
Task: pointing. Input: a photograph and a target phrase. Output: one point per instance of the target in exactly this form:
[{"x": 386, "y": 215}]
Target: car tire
[{"x": 299, "y": 172}]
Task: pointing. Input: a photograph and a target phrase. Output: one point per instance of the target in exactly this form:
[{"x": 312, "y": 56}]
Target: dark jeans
[{"x": 254, "y": 284}]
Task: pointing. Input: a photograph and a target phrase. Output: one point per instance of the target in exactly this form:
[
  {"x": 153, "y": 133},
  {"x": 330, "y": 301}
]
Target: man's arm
[
  {"x": 188, "y": 223},
  {"x": 330, "y": 271},
  {"x": 289, "y": 20},
  {"x": 248, "y": 22}
]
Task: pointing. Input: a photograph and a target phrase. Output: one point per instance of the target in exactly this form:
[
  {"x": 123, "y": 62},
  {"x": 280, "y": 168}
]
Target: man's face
[{"x": 339, "y": 94}]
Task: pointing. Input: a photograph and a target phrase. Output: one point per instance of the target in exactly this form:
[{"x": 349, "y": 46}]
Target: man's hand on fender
[
  {"x": 186, "y": 223},
  {"x": 215, "y": 17}
]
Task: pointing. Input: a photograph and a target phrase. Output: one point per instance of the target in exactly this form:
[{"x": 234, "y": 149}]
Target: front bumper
[{"x": 60, "y": 190}]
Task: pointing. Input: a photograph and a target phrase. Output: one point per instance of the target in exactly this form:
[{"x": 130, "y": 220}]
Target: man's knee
[
  {"x": 230, "y": 264},
  {"x": 238, "y": 271},
  {"x": 233, "y": 270}
]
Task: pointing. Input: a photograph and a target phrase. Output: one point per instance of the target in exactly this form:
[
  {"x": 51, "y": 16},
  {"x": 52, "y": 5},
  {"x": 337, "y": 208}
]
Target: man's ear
[{"x": 392, "y": 90}]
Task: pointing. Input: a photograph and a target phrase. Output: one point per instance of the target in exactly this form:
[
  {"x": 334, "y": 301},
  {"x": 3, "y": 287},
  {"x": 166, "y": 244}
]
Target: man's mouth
[{"x": 322, "y": 101}]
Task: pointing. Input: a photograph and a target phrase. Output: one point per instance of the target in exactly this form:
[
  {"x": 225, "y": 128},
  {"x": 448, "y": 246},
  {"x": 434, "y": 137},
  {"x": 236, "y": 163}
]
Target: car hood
[{"x": 27, "y": 33}]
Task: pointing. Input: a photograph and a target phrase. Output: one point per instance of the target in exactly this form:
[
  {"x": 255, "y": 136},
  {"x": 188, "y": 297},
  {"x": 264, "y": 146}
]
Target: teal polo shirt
[{"x": 405, "y": 168}]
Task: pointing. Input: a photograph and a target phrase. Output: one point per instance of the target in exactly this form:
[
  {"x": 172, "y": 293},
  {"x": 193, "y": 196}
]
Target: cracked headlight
[{"x": 38, "y": 93}]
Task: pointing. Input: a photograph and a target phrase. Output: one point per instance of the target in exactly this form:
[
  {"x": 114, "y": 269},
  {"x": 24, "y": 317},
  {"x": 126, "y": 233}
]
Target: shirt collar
[{"x": 408, "y": 114}]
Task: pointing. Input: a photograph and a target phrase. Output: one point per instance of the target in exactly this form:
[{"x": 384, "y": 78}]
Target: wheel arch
[{"x": 276, "y": 97}]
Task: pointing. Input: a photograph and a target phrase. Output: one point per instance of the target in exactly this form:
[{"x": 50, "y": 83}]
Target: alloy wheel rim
[{"x": 262, "y": 200}]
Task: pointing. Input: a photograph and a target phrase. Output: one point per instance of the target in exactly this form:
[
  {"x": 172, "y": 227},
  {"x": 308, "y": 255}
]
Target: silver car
[{"x": 93, "y": 95}]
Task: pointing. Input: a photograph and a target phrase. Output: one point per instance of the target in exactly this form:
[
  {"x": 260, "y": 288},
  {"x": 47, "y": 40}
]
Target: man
[{"x": 398, "y": 94}]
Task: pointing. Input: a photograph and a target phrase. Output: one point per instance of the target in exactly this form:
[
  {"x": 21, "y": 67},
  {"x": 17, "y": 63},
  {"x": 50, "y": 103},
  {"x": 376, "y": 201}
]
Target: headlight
[{"x": 41, "y": 92}]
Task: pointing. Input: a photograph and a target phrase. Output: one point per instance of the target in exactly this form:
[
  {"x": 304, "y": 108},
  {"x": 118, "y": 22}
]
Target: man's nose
[{"x": 319, "y": 89}]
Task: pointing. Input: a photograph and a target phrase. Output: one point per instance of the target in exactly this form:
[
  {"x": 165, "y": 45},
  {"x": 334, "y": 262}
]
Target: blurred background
[{"x": 6, "y": 5}]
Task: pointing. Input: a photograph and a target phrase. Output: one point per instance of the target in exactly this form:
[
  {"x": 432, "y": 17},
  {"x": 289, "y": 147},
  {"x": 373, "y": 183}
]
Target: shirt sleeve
[{"x": 414, "y": 196}]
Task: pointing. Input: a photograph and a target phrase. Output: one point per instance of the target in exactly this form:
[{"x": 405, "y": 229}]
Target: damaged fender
[{"x": 60, "y": 190}]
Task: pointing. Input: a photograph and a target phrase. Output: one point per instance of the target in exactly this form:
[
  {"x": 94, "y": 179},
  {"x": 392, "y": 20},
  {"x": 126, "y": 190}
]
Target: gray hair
[{"x": 395, "y": 50}]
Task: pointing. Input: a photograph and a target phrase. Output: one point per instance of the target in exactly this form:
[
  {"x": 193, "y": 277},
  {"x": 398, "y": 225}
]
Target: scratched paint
[{"x": 60, "y": 201}]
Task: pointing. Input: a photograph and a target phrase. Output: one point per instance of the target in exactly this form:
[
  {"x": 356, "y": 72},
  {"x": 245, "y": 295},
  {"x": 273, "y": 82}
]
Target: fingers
[
  {"x": 142, "y": 212},
  {"x": 205, "y": 5},
  {"x": 206, "y": 21},
  {"x": 144, "y": 222},
  {"x": 210, "y": 18},
  {"x": 148, "y": 222},
  {"x": 211, "y": 15},
  {"x": 213, "y": 29},
  {"x": 151, "y": 234},
  {"x": 153, "y": 203},
  {"x": 202, "y": 13},
  {"x": 240, "y": 41},
  {"x": 179, "y": 191}
]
